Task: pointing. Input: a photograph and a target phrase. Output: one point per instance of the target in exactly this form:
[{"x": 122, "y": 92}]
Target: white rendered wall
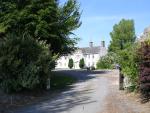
[{"x": 90, "y": 59}]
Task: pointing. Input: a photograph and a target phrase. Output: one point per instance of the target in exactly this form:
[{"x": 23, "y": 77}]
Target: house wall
[
  {"x": 63, "y": 61},
  {"x": 90, "y": 59}
]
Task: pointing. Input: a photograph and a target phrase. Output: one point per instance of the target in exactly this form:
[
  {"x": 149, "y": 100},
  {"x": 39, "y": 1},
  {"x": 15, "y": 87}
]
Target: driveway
[{"x": 95, "y": 92}]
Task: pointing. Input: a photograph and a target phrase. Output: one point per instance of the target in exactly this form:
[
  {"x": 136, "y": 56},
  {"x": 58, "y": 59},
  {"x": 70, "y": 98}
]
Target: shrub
[
  {"x": 24, "y": 63},
  {"x": 81, "y": 63},
  {"x": 144, "y": 64},
  {"x": 70, "y": 63},
  {"x": 108, "y": 61},
  {"x": 129, "y": 64}
]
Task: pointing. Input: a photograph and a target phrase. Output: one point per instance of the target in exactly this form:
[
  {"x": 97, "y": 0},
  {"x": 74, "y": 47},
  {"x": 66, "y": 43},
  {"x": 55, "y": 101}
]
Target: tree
[
  {"x": 70, "y": 63},
  {"x": 108, "y": 61},
  {"x": 24, "y": 64},
  {"x": 123, "y": 35},
  {"x": 144, "y": 68},
  {"x": 123, "y": 44},
  {"x": 129, "y": 64},
  {"x": 81, "y": 63},
  {"x": 32, "y": 33},
  {"x": 44, "y": 20}
]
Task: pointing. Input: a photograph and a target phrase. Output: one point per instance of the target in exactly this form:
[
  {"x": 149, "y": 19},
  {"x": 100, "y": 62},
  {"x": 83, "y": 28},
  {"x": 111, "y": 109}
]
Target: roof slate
[{"x": 91, "y": 50}]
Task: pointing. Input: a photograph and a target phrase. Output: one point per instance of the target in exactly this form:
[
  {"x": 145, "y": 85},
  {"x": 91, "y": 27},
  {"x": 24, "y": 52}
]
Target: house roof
[{"x": 91, "y": 50}]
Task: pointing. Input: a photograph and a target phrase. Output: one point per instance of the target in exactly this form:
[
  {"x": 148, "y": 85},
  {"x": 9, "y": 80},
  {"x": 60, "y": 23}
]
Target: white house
[{"x": 90, "y": 54}]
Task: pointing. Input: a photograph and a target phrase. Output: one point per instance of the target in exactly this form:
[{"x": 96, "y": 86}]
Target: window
[{"x": 93, "y": 56}]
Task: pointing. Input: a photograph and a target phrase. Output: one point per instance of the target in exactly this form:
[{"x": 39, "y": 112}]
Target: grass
[{"x": 61, "y": 81}]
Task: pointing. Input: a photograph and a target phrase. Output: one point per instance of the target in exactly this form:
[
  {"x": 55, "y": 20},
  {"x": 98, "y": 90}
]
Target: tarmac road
[{"x": 95, "y": 92}]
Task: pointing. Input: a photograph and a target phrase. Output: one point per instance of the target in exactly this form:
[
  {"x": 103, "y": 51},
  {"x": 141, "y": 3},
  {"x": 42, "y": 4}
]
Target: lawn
[{"x": 61, "y": 81}]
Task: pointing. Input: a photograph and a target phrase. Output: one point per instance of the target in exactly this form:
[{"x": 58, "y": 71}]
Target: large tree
[
  {"x": 122, "y": 36},
  {"x": 32, "y": 32},
  {"x": 24, "y": 63},
  {"x": 44, "y": 20},
  {"x": 123, "y": 44}
]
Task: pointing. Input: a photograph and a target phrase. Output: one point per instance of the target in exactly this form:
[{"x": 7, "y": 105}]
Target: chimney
[
  {"x": 102, "y": 43},
  {"x": 91, "y": 44}
]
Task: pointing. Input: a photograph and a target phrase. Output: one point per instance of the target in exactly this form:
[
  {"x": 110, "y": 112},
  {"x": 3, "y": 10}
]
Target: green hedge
[
  {"x": 24, "y": 63},
  {"x": 108, "y": 61},
  {"x": 144, "y": 64}
]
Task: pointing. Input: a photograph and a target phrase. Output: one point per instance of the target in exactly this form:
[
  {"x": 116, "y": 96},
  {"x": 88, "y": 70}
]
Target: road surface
[{"x": 95, "y": 92}]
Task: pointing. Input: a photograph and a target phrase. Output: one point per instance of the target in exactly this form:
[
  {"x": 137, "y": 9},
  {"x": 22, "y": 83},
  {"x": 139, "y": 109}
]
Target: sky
[{"x": 99, "y": 16}]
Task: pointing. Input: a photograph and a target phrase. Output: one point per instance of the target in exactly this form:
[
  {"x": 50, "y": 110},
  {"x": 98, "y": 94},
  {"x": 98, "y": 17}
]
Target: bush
[
  {"x": 144, "y": 64},
  {"x": 108, "y": 61},
  {"x": 70, "y": 63},
  {"x": 81, "y": 63},
  {"x": 24, "y": 63},
  {"x": 129, "y": 64}
]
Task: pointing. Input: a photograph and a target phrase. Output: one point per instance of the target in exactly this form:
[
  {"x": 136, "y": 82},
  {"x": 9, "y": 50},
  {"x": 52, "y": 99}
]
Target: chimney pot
[
  {"x": 103, "y": 43},
  {"x": 91, "y": 44}
]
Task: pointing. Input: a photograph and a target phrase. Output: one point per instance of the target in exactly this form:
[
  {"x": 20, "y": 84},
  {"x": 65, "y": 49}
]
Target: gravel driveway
[{"x": 95, "y": 92}]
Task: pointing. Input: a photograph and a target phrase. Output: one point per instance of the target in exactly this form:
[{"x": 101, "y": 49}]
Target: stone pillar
[
  {"x": 48, "y": 83},
  {"x": 121, "y": 79}
]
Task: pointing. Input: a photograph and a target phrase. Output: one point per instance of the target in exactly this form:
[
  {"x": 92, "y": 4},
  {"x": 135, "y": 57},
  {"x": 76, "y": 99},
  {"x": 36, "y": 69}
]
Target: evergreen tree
[
  {"x": 70, "y": 63},
  {"x": 32, "y": 32},
  {"x": 24, "y": 64},
  {"x": 81, "y": 63},
  {"x": 44, "y": 20}
]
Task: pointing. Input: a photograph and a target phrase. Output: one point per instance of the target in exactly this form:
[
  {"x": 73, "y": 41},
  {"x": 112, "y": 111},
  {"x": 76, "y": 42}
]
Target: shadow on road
[
  {"x": 68, "y": 100},
  {"x": 62, "y": 102},
  {"x": 83, "y": 75},
  {"x": 77, "y": 95}
]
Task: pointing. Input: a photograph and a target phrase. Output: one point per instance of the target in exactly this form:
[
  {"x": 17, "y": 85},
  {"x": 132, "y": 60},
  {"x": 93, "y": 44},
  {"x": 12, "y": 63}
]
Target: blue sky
[{"x": 99, "y": 16}]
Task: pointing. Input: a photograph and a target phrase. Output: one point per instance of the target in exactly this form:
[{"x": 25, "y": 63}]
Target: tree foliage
[
  {"x": 129, "y": 64},
  {"x": 44, "y": 20},
  {"x": 123, "y": 35},
  {"x": 32, "y": 33},
  {"x": 108, "y": 61},
  {"x": 24, "y": 63},
  {"x": 81, "y": 63},
  {"x": 144, "y": 68},
  {"x": 123, "y": 44},
  {"x": 70, "y": 63}
]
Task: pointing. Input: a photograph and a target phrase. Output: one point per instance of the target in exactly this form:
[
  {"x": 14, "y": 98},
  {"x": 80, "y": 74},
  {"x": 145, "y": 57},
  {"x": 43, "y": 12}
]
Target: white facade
[{"x": 91, "y": 55}]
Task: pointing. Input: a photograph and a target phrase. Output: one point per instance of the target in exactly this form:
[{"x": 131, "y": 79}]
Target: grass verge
[{"x": 61, "y": 81}]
